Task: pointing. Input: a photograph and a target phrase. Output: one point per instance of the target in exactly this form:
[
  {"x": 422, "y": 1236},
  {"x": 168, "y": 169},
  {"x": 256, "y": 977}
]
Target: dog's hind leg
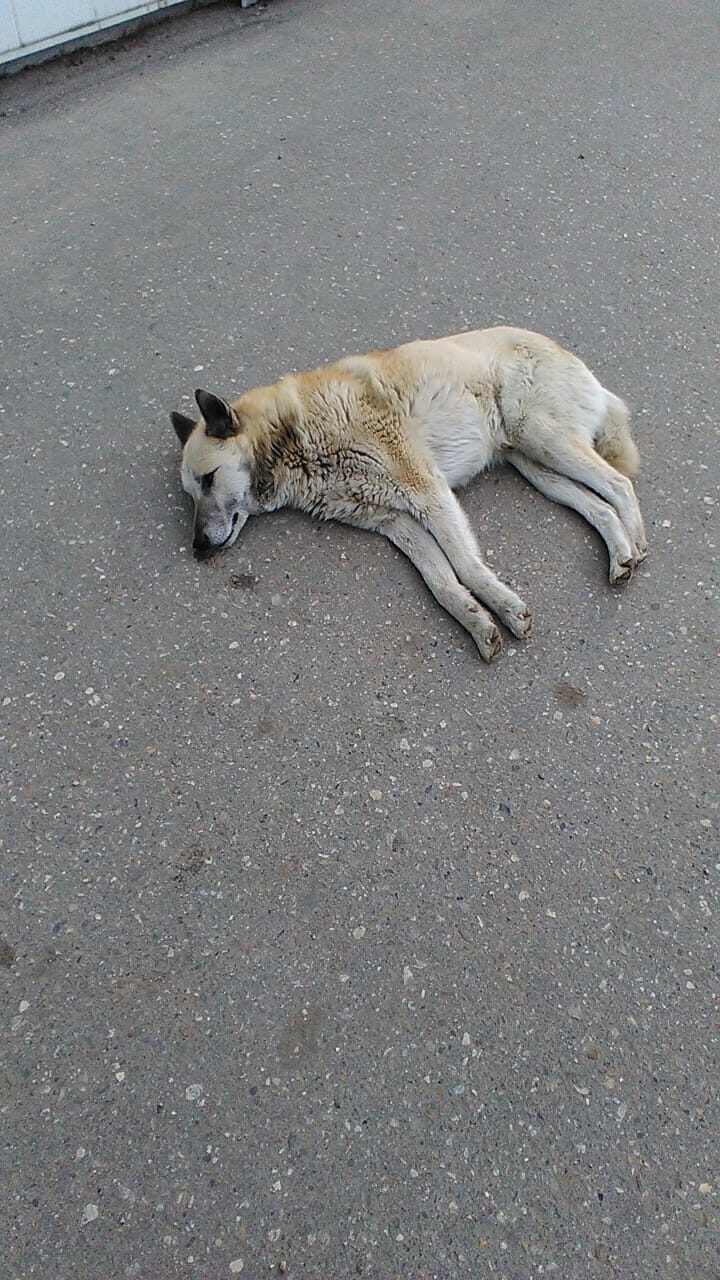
[
  {"x": 421, "y": 548},
  {"x": 449, "y": 525},
  {"x": 555, "y": 446},
  {"x": 595, "y": 510}
]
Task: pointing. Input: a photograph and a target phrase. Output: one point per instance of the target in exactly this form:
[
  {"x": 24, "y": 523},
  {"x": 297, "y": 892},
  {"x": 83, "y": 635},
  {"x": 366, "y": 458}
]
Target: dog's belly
[{"x": 450, "y": 423}]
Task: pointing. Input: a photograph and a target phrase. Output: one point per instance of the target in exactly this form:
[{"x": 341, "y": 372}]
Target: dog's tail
[{"x": 614, "y": 442}]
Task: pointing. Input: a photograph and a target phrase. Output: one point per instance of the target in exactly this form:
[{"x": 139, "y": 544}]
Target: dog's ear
[
  {"x": 217, "y": 414},
  {"x": 183, "y": 426}
]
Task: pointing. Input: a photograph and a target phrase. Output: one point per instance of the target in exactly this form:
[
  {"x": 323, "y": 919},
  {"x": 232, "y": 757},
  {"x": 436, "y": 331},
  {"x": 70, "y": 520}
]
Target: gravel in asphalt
[{"x": 326, "y": 950}]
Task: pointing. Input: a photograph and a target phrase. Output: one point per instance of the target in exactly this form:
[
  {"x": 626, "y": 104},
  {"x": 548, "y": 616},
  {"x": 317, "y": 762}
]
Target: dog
[{"x": 380, "y": 441}]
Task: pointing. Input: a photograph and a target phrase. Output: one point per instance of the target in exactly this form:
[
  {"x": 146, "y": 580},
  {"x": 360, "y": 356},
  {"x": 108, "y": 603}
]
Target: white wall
[{"x": 28, "y": 26}]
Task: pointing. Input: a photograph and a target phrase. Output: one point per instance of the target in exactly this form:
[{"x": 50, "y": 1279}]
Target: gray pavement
[{"x": 325, "y": 949}]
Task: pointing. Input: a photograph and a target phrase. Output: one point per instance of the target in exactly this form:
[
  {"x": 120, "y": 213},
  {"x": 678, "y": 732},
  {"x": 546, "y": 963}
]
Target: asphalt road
[{"x": 327, "y": 950}]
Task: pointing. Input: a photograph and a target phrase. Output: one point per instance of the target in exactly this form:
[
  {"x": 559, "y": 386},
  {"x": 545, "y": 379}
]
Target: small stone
[
  {"x": 359, "y": 932},
  {"x": 194, "y": 1092},
  {"x": 89, "y": 1214},
  {"x": 705, "y": 1188},
  {"x": 246, "y": 581},
  {"x": 237, "y": 1266},
  {"x": 375, "y": 794}
]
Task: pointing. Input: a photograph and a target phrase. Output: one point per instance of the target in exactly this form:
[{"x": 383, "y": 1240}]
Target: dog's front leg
[
  {"x": 421, "y": 548},
  {"x": 448, "y": 524}
]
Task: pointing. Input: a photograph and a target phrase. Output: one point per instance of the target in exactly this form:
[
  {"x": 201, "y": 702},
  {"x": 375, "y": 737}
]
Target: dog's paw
[
  {"x": 488, "y": 641},
  {"x": 621, "y": 571},
  {"x": 518, "y": 620}
]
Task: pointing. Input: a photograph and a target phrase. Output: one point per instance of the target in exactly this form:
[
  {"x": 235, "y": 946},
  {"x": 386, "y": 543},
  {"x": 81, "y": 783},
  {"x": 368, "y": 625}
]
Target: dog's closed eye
[{"x": 206, "y": 481}]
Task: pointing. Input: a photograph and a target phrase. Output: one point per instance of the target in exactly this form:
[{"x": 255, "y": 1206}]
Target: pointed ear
[
  {"x": 183, "y": 426},
  {"x": 217, "y": 414}
]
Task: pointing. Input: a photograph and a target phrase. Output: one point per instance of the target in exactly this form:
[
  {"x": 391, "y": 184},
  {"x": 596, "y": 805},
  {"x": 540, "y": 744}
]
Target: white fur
[{"x": 448, "y": 420}]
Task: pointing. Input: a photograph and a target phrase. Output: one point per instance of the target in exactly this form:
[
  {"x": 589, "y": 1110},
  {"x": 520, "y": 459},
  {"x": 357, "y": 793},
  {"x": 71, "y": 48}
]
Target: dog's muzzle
[{"x": 204, "y": 548}]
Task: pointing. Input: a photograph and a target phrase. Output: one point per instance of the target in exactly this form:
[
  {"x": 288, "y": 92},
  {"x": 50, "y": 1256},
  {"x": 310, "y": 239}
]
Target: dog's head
[{"x": 214, "y": 472}]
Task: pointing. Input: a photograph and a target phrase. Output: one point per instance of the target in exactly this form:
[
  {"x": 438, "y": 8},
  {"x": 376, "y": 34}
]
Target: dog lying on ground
[{"x": 381, "y": 440}]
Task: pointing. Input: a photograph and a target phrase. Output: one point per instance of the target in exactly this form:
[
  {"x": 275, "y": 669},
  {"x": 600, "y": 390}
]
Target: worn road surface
[{"x": 326, "y": 950}]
